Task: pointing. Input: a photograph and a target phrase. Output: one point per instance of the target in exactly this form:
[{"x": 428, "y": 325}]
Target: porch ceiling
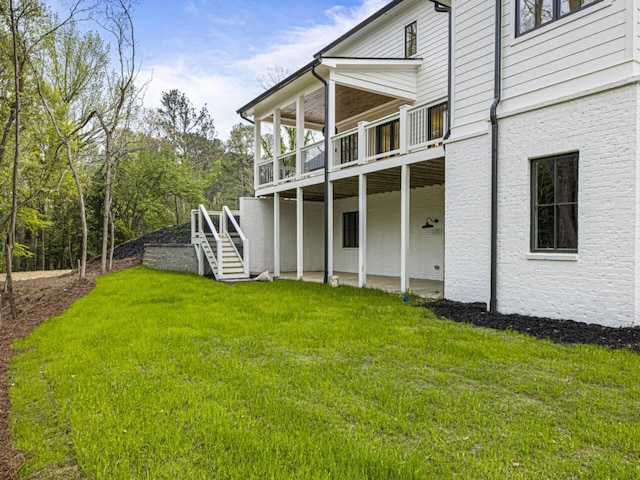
[
  {"x": 422, "y": 175},
  {"x": 349, "y": 103}
]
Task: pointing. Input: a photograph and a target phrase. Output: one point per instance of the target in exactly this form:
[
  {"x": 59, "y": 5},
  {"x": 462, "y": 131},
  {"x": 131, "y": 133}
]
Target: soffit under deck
[
  {"x": 423, "y": 174},
  {"x": 350, "y": 102}
]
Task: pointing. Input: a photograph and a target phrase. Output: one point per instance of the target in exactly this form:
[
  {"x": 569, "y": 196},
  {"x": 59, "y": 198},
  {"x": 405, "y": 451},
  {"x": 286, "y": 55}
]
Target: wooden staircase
[
  {"x": 217, "y": 248},
  {"x": 232, "y": 267}
]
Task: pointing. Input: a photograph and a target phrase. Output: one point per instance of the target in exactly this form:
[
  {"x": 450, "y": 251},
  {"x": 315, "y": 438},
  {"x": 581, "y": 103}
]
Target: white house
[{"x": 491, "y": 145}]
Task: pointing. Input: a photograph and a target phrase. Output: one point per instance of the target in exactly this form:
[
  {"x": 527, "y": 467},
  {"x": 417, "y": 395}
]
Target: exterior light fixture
[{"x": 430, "y": 222}]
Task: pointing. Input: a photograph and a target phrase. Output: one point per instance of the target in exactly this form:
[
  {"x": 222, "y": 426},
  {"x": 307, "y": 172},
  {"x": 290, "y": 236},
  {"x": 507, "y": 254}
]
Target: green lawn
[{"x": 163, "y": 375}]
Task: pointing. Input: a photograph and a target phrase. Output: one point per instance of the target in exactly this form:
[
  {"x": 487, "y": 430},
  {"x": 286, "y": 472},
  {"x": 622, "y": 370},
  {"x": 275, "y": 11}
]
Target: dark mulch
[
  {"x": 561, "y": 331},
  {"x": 174, "y": 234}
]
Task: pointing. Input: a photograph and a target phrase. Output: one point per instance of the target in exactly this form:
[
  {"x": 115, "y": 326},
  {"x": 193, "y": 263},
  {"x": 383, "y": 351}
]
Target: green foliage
[
  {"x": 151, "y": 183},
  {"x": 165, "y": 375},
  {"x": 157, "y": 176}
]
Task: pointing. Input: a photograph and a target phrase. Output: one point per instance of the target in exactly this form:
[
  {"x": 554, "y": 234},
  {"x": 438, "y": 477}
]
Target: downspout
[
  {"x": 438, "y": 7},
  {"x": 493, "y": 302},
  {"x": 326, "y": 173},
  {"x": 247, "y": 119}
]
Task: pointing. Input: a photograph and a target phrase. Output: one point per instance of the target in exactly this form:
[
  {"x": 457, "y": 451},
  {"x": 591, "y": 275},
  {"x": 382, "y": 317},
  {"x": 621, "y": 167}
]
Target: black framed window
[
  {"x": 388, "y": 136},
  {"x": 350, "y": 229},
  {"x": 411, "y": 39},
  {"x": 554, "y": 194},
  {"x": 437, "y": 120},
  {"x": 532, "y": 14}
]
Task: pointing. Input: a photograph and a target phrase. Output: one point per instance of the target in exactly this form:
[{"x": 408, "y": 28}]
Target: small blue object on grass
[{"x": 405, "y": 299}]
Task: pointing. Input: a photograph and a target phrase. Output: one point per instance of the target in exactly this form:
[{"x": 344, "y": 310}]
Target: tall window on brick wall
[
  {"x": 411, "y": 39},
  {"x": 554, "y": 194},
  {"x": 350, "y": 230},
  {"x": 532, "y": 14}
]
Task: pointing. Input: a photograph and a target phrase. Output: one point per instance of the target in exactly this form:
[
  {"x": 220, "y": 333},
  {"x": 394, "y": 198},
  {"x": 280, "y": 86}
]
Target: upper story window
[
  {"x": 535, "y": 13},
  {"x": 554, "y": 213},
  {"x": 411, "y": 39}
]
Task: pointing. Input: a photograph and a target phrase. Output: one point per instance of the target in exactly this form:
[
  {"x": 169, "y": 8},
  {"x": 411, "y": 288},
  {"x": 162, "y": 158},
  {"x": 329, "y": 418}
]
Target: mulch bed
[{"x": 562, "y": 331}]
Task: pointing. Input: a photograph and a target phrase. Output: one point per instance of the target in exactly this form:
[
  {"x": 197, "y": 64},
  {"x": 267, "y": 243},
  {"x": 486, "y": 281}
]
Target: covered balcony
[
  {"x": 369, "y": 107},
  {"x": 409, "y": 130}
]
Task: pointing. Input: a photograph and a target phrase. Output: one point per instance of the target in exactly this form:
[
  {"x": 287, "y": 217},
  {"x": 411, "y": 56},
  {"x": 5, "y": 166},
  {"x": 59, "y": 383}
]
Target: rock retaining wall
[{"x": 176, "y": 257}]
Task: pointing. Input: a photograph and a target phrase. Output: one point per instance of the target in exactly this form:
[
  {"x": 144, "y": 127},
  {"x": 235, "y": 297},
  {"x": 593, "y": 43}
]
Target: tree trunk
[
  {"x": 113, "y": 240},
  {"x": 82, "y": 269},
  {"x": 42, "y": 242},
  {"x": 107, "y": 204},
  {"x": 11, "y": 235}
]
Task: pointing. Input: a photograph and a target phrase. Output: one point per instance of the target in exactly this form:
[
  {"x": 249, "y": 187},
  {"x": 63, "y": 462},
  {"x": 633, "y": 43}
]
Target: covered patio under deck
[
  {"x": 401, "y": 254},
  {"x": 430, "y": 289}
]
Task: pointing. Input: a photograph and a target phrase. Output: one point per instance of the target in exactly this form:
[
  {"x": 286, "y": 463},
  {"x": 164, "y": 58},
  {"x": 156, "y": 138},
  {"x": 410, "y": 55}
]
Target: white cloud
[
  {"x": 297, "y": 46},
  {"x": 222, "y": 94},
  {"x": 225, "y": 86}
]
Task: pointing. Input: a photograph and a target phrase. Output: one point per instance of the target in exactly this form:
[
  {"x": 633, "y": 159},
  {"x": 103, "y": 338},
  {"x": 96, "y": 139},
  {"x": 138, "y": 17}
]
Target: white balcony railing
[
  {"x": 265, "y": 173},
  {"x": 313, "y": 157},
  {"x": 409, "y": 130}
]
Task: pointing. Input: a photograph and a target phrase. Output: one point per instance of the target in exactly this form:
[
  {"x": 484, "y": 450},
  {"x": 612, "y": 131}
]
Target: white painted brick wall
[
  {"x": 383, "y": 234},
  {"x": 468, "y": 220},
  {"x": 256, "y": 220},
  {"x": 637, "y": 242},
  {"x": 600, "y": 287},
  {"x": 426, "y": 245}
]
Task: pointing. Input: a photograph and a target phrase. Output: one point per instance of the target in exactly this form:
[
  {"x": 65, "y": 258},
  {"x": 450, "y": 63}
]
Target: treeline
[{"x": 83, "y": 166}]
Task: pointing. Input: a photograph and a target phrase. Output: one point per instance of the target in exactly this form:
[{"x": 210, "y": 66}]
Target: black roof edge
[
  {"x": 318, "y": 57},
  {"x": 371, "y": 58},
  {"x": 360, "y": 26},
  {"x": 291, "y": 78}
]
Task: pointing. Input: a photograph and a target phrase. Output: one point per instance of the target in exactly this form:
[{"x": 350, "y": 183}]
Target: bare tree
[
  {"x": 116, "y": 19},
  {"x": 83, "y": 58}
]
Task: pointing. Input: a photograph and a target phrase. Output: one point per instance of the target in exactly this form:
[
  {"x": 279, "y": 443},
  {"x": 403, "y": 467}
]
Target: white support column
[
  {"x": 299, "y": 135},
  {"x": 299, "y": 233},
  {"x": 257, "y": 149},
  {"x": 405, "y": 226},
  {"x": 362, "y": 142},
  {"x": 200, "y": 255},
  {"x": 404, "y": 129},
  {"x": 362, "y": 239},
  {"x": 276, "y": 145},
  {"x": 330, "y": 227},
  {"x": 276, "y": 234},
  {"x": 330, "y": 123}
]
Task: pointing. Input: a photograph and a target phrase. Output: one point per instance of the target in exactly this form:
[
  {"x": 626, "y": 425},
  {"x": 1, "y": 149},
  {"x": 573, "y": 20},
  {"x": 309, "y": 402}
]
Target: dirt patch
[
  {"x": 564, "y": 331},
  {"x": 21, "y": 276}
]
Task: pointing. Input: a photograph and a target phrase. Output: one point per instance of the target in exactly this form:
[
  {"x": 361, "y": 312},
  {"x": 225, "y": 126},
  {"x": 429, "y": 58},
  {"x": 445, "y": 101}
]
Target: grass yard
[{"x": 163, "y": 375}]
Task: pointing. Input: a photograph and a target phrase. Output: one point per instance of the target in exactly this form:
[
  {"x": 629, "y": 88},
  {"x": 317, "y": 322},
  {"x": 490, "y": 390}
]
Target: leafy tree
[
  {"x": 192, "y": 136},
  {"x": 149, "y": 181},
  {"x": 236, "y": 179}
]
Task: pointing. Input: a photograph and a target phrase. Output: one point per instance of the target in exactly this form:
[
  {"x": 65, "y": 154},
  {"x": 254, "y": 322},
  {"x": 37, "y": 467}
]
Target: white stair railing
[
  {"x": 203, "y": 229},
  {"x": 200, "y": 232}
]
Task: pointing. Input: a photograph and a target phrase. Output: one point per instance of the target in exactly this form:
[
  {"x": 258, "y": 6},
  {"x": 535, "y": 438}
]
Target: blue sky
[{"x": 214, "y": 51}]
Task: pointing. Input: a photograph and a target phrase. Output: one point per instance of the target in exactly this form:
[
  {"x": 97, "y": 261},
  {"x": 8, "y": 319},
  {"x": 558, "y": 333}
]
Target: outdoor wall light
[{"x": 430, "y": 222}]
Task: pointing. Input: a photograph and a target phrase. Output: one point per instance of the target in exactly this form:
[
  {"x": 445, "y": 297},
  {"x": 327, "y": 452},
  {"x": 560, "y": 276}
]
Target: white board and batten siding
[
  {"x": 384, "y": 38},
  {"x": 574, "y": 54}
]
